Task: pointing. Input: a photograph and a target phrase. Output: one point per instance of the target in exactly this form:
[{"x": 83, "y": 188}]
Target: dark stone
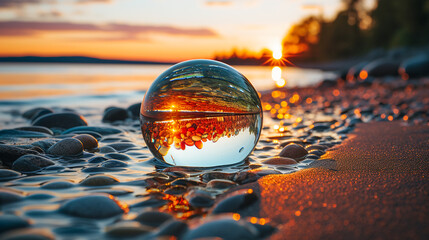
[
  {"x": 31, "y": 163},
  {"x": 66, "y": 147},
  {"x": 92, "y": 206},
  {"x": 41, "y": 113},
  {"x": 29, "y": 114},
  {"x": 176, "y": 190},
  {"x": 294, "y": 151},
  {"x": 99, "y": 180},
  {"x": 60, "y": 120},
  {"x": 6, "y": 175},
  {"x": 227, "y": 229},
  {"x": 13, "y": 133},
  {"x": 9, "y": 197},
  {"x": 114, "y": 164},
  {"x": 115, "y": 114},
  {"x": 134, "y": 110},
  {"x": 57, "y": 184},
  {"x": 172, "y": 228},
  {"x": 118, "y": 156},
  {"x": 99, "y": 130},
  {"x": 88, "y": 141},
  {"x": 9, "y": 222},
  {"x": 279, "y": 161},
  {"x": 97, "y": 159},
  {"x": 199, "y": 198},
  {"x": 44, "y": 144},
  {"x": 153, "y": 218},
  {"x": 316, "y": 152},
  {"x": 9, "y": 154},
  {"x": 415, "y": 67},
  {"x": 106, "y": 149},
  {"x": 151, "y": 202},
  {"x": 37, "y": 129},
  {"x": 206, "y": 177},
  {"x": 186, "y": 182},
  {"x": 236, "y": 203},
  {"x": 382, "y": 68}
]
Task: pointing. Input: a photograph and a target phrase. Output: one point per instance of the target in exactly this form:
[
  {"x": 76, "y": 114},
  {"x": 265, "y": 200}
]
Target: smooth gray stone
[
  {"x": 134, "y": 110},
  {"x": 57, "y": 184},
  {"x": 7, "y": 174},
  {"x": 31, "y": 113},
  {"x": 31, "y": 163},
  {"x": 99, "y": 180},
  {"x": 9, "y": 154},
  {"x": 294, "y": 151},
  {"x": 153, "y": 218},
  {"x": 60, "y": 120},
  {"x": 113, "y": 114},
  {"x": 13, "y": 133},
  {"x": 127, "y": 229},
  {"x": 9, "y": 222},
  {"x": 114, "y": 164},
  {"x": 37, "y": 129},
  {"x": 92, "y": 206},
  {"x": 235, "y": 203},
  {"x": 7, "y": 197},
  {"x": 66, "y": 147}
]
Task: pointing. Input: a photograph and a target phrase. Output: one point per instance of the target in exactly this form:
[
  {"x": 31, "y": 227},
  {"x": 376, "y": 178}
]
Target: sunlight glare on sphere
[{"x": 201, "y": 113}]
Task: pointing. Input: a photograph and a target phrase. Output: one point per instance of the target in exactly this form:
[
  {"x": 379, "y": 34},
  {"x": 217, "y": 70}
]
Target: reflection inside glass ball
[{"x": 201, "y": 113}]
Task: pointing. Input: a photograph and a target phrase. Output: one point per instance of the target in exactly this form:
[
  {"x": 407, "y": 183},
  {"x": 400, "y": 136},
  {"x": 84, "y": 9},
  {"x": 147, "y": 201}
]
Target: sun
[
  {"x": 278, "y": 58},
  {"x": 277, "y": 53}
]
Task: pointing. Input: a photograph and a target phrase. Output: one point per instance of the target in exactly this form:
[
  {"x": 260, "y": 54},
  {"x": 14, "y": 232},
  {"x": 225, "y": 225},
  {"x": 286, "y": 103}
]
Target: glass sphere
[{"x": 201, "y": 113}]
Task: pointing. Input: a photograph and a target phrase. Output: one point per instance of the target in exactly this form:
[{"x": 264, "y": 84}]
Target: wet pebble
[
  {"x": 44, "y": 144},
  {"x": 227, "y": 229},
  {"x": 294, "y": 151},
  {"x": 9, "y": 222},
  {"x": 7, "y": 174},
  {"x": 13, "y": 134},
  {"x": 113, "y": 164},
  {"x": 199, "y": 198},
  {"x": 7, "y": 197},
  {"x": 292, "y": 140},
  {"x": 220, "y": 184},
  {"x": 99, "y": 180},
  {"x": 106, "y": 149},
  {"x": 31, "y": 163},
  {"x": 316, "y": 152},
  {"x": 97, "y": 159},
  {"x": 312, "y": 156},
  {"x": 66, "y": 147},
  {"x": 9, "y": 154},
  {"x": 206, "y": 177},
  {"x": 92, "y": 206},
  {"x": 122, "y": 146},
  {"x": 153, "y": 218},
  {"x": 113, "y": 191},
  {"x": 186, "y": 182},
  {"x": 29, "y": 233},
  {"x": 134, "y": 110},
  {"x": 279, "y": 161},
  {"x": 88, "y": 141},
  {"x": 126, "y": 229},
  {"x": 60, "y": 120},
  {"x": 57, "y": 184},
  {"x": 245, "y": 177},
  {"x": 31, "y": 113},
  {"x": 237, "y": 202},
  {"x": 113, "y": 114},
  {"x": 39, "y": 196},
  {"x": 118, "y": 156},
  {"x": 315, "y": 147},
  {"x": 176, "y": 190},
  {"x": 173, "y": 228},
  {"x": 100, "y": 130},
  {"x": 37, "y": 129},
  {"x": 260, "y": 172}
]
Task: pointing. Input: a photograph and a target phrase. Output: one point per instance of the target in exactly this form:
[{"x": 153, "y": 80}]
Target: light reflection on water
[{"x": 30, "y": 81}]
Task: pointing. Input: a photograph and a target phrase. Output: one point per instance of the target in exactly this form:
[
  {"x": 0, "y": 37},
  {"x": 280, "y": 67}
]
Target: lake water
[{"x": 74, "y": 84}]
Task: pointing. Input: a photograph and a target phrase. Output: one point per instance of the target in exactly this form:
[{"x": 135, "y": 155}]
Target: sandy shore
[{"x": 377, "y": 188}]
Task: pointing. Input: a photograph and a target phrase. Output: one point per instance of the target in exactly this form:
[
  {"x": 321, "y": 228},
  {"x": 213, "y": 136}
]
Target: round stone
[
  {"x": 6, "y": 174},
  {"x": 294, "y": 151},
  {"x": 241, "y": 200},
  {"x": 9, "y": 197},
  {"x": 279, "y": 161},
  {"x": 93, "y": 206},
  {"x": 66, "y": 147},
  {"x": 113, "y": 114},
  {"x": 99, "y": 180},
  {"x": 126, "y": 229},
  {"x": 57, "y": 184},
  {"x": 9, "y": 154},
  {"x": 134, "y": 110},
  {"x": 31, "y": 163},
  {"x": 9, "y": 222},
  {"x": 60, "y": 120},
  {"x": 153, "y": 218},
  {"x": 220, "y": 184},
  {"x": 201, "y": 113},
  {"x": 88, "y": 141},
  {"x": 114, "y": 164},
  {"x": 37, "y": 129},
  {"x": 223, "y": 229}
]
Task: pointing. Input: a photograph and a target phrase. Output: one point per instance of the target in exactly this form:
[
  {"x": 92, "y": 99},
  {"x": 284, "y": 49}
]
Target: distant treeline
[{"x": 354, "y": 31}]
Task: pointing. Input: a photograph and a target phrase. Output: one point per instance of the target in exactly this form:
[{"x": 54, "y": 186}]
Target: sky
[{"x": 155, "y": 30}]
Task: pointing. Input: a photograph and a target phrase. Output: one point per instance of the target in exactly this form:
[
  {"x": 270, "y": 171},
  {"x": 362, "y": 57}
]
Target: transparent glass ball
[{"x": 201, "y": 113}]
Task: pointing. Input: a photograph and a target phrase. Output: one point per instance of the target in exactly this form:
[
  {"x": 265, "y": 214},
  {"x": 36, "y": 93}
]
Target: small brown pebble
[
  {"x": 88, "y": 141},
  {"x": 294, "y": 151},
  {"x": 279, "y": 161}
]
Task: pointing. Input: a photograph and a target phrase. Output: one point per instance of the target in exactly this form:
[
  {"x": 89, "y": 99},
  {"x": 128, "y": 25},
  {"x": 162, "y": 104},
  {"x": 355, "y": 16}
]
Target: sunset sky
[{"x": 159, "y": 30}]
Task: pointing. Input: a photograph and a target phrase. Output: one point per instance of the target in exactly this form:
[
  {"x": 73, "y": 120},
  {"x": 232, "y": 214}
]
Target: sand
[{"x": 377, "y": 188}]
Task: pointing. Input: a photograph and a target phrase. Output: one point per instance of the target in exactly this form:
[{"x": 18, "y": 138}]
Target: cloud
[
  {"x": 92, "y": 1},
  {"x": 122, "y": 31}
]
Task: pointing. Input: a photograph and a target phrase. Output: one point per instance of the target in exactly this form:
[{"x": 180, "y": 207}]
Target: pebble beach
[{"x": 86, "y": 172}]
